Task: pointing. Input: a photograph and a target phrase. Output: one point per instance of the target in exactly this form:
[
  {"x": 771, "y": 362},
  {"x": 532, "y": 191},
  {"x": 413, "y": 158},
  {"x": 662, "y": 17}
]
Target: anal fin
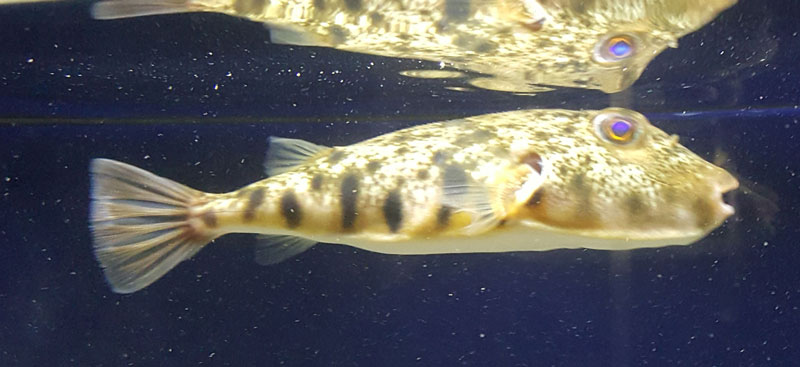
[
  {"x": 273, "y": 249},
  {"x": 116, "y": 9}
]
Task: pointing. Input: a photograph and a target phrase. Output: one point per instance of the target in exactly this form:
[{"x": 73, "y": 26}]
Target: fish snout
[{"x": 721, "y": 183}]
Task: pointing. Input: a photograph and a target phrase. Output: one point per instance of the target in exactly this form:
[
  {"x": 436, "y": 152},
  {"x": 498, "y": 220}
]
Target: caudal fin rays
[{"x": 140, "y": 224}]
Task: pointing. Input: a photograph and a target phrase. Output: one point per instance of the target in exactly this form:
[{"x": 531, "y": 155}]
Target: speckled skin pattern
[
  {"x": 517, "y": 44},
  {"x": 399, "y": 186}
]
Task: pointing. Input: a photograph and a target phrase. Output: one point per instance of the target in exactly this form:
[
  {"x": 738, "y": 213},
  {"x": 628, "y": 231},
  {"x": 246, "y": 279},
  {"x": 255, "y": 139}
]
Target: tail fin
[
  {"x": 116, "y": 9},
  {"x": 140, "y": 223}
]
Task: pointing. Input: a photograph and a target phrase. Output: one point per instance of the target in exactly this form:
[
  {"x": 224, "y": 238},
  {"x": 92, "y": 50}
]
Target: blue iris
[
  {"x": 620, "y": 128},
  {"x": 620, "y": 48}
]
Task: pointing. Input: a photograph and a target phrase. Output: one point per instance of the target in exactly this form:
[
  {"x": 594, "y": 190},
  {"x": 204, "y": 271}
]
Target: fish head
[
  {"x": 612, "y": 175},
  {"x": 601, "y": 44}
]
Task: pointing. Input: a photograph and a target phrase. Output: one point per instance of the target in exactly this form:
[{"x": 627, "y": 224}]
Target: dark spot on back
[
  {"x": 578, "y": 182},
  {"x": 475, "y": 44},
  {"x": 316, "y": 182},
  {"x": 338, "y": 35},
  {"x": 319, "y": 4},
  {"x": 335, "y": 156},
  {"x": 349, "y": 200},
  {"x": 635, "y": 206},
  {"x": 376, "y": 18},
  {"x": 353, "y": 5},
  {"x": 393, "y": 211},
  {"x": 443, "y": 216},
  {"x": 373, "y": 166},
  {"x": 482, "y": 134},
  {"x": 534, "y": 160},
  {"x": 209, "y": 219},
  {"x": 569, "y": 129},
  {"x": 423, "y": 174},
  {"x": 250, "y": 6},
  {"x": 439, "y": 158},
  {"x": 255, "y": 200},
  {"x": 290, "y": 209},
  {"x": 455, "y": 10}
]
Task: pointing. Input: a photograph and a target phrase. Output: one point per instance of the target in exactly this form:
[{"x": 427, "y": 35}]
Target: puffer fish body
[
  {"x": 513, "y": 181},
  {"x": 515, "y": 44}
]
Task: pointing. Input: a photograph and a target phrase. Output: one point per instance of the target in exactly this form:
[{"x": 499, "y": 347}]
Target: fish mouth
[{"x": 724, "y": 184}]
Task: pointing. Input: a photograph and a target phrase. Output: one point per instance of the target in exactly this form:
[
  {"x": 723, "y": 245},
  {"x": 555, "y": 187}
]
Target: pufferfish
[
  {"x": 508, "y": 45},
  {"x": 529, "y": 180}
]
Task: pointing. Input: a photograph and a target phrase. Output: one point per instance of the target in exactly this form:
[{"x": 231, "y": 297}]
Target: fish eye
[
  {"x": 616, "y": 128},
  {"x": 615, "y": 48}
]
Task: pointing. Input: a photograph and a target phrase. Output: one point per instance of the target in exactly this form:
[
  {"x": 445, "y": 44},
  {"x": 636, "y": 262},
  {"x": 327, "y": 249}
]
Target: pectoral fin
[{"x": 463, "y": 195}]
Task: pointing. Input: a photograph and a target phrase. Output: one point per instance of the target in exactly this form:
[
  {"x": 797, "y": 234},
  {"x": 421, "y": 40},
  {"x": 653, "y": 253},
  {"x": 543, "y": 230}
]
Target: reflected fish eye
[
  {"x": 615, "y": 48},
  {"x": 617, "y": 129}
]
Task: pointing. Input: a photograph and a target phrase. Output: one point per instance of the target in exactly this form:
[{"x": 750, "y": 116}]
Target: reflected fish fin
[
  {"x": 283, "y": 154},
  {"x": 465, "y": 196},
  {"x": 273, "y": 249},
  {"x": 116, "y": 9},
  {"x": 140, "y": 224},
  {"x": 289, "y": 35}
]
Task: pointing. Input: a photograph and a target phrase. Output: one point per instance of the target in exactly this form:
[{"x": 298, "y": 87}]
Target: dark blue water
[{"x": 143, "y": 91}]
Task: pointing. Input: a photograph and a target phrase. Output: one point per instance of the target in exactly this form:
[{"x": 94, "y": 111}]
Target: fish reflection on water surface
[
  {"x": 527, "y": 180},
  {"x": 516, "y": 44}
]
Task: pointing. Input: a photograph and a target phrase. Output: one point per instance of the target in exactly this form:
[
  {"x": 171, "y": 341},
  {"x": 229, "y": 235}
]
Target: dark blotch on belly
[
  {"x": 209, "y": 219},
  {"x": 255, "y": 200},
  {"x": 349, "y": 200},
  {"x": 443, "y": 216},
  {"x": 290, "y": 209},
  {"x": 353, "y": 5},
  {"x": 316, "y": 182},
  {"x": 393, "y": 211}
]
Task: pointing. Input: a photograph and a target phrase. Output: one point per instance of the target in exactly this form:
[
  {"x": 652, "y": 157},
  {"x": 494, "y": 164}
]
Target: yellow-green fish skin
[
  {"x": 529, "y": 180},
  {"x": 653, "y": 189},
  {"x": 518, "y": 45}
]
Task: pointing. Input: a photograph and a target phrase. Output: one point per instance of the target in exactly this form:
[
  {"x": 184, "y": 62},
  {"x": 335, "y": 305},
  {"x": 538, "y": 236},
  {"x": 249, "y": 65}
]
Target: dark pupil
[
  {"x": 620, "y": 128},
  {"x": 620, "y": 48}
]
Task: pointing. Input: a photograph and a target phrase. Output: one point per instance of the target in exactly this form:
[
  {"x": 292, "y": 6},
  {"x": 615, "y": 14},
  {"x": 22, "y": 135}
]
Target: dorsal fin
[
  {"x": 297, "y": 36},
  {"x": 284, "y": 154}
]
